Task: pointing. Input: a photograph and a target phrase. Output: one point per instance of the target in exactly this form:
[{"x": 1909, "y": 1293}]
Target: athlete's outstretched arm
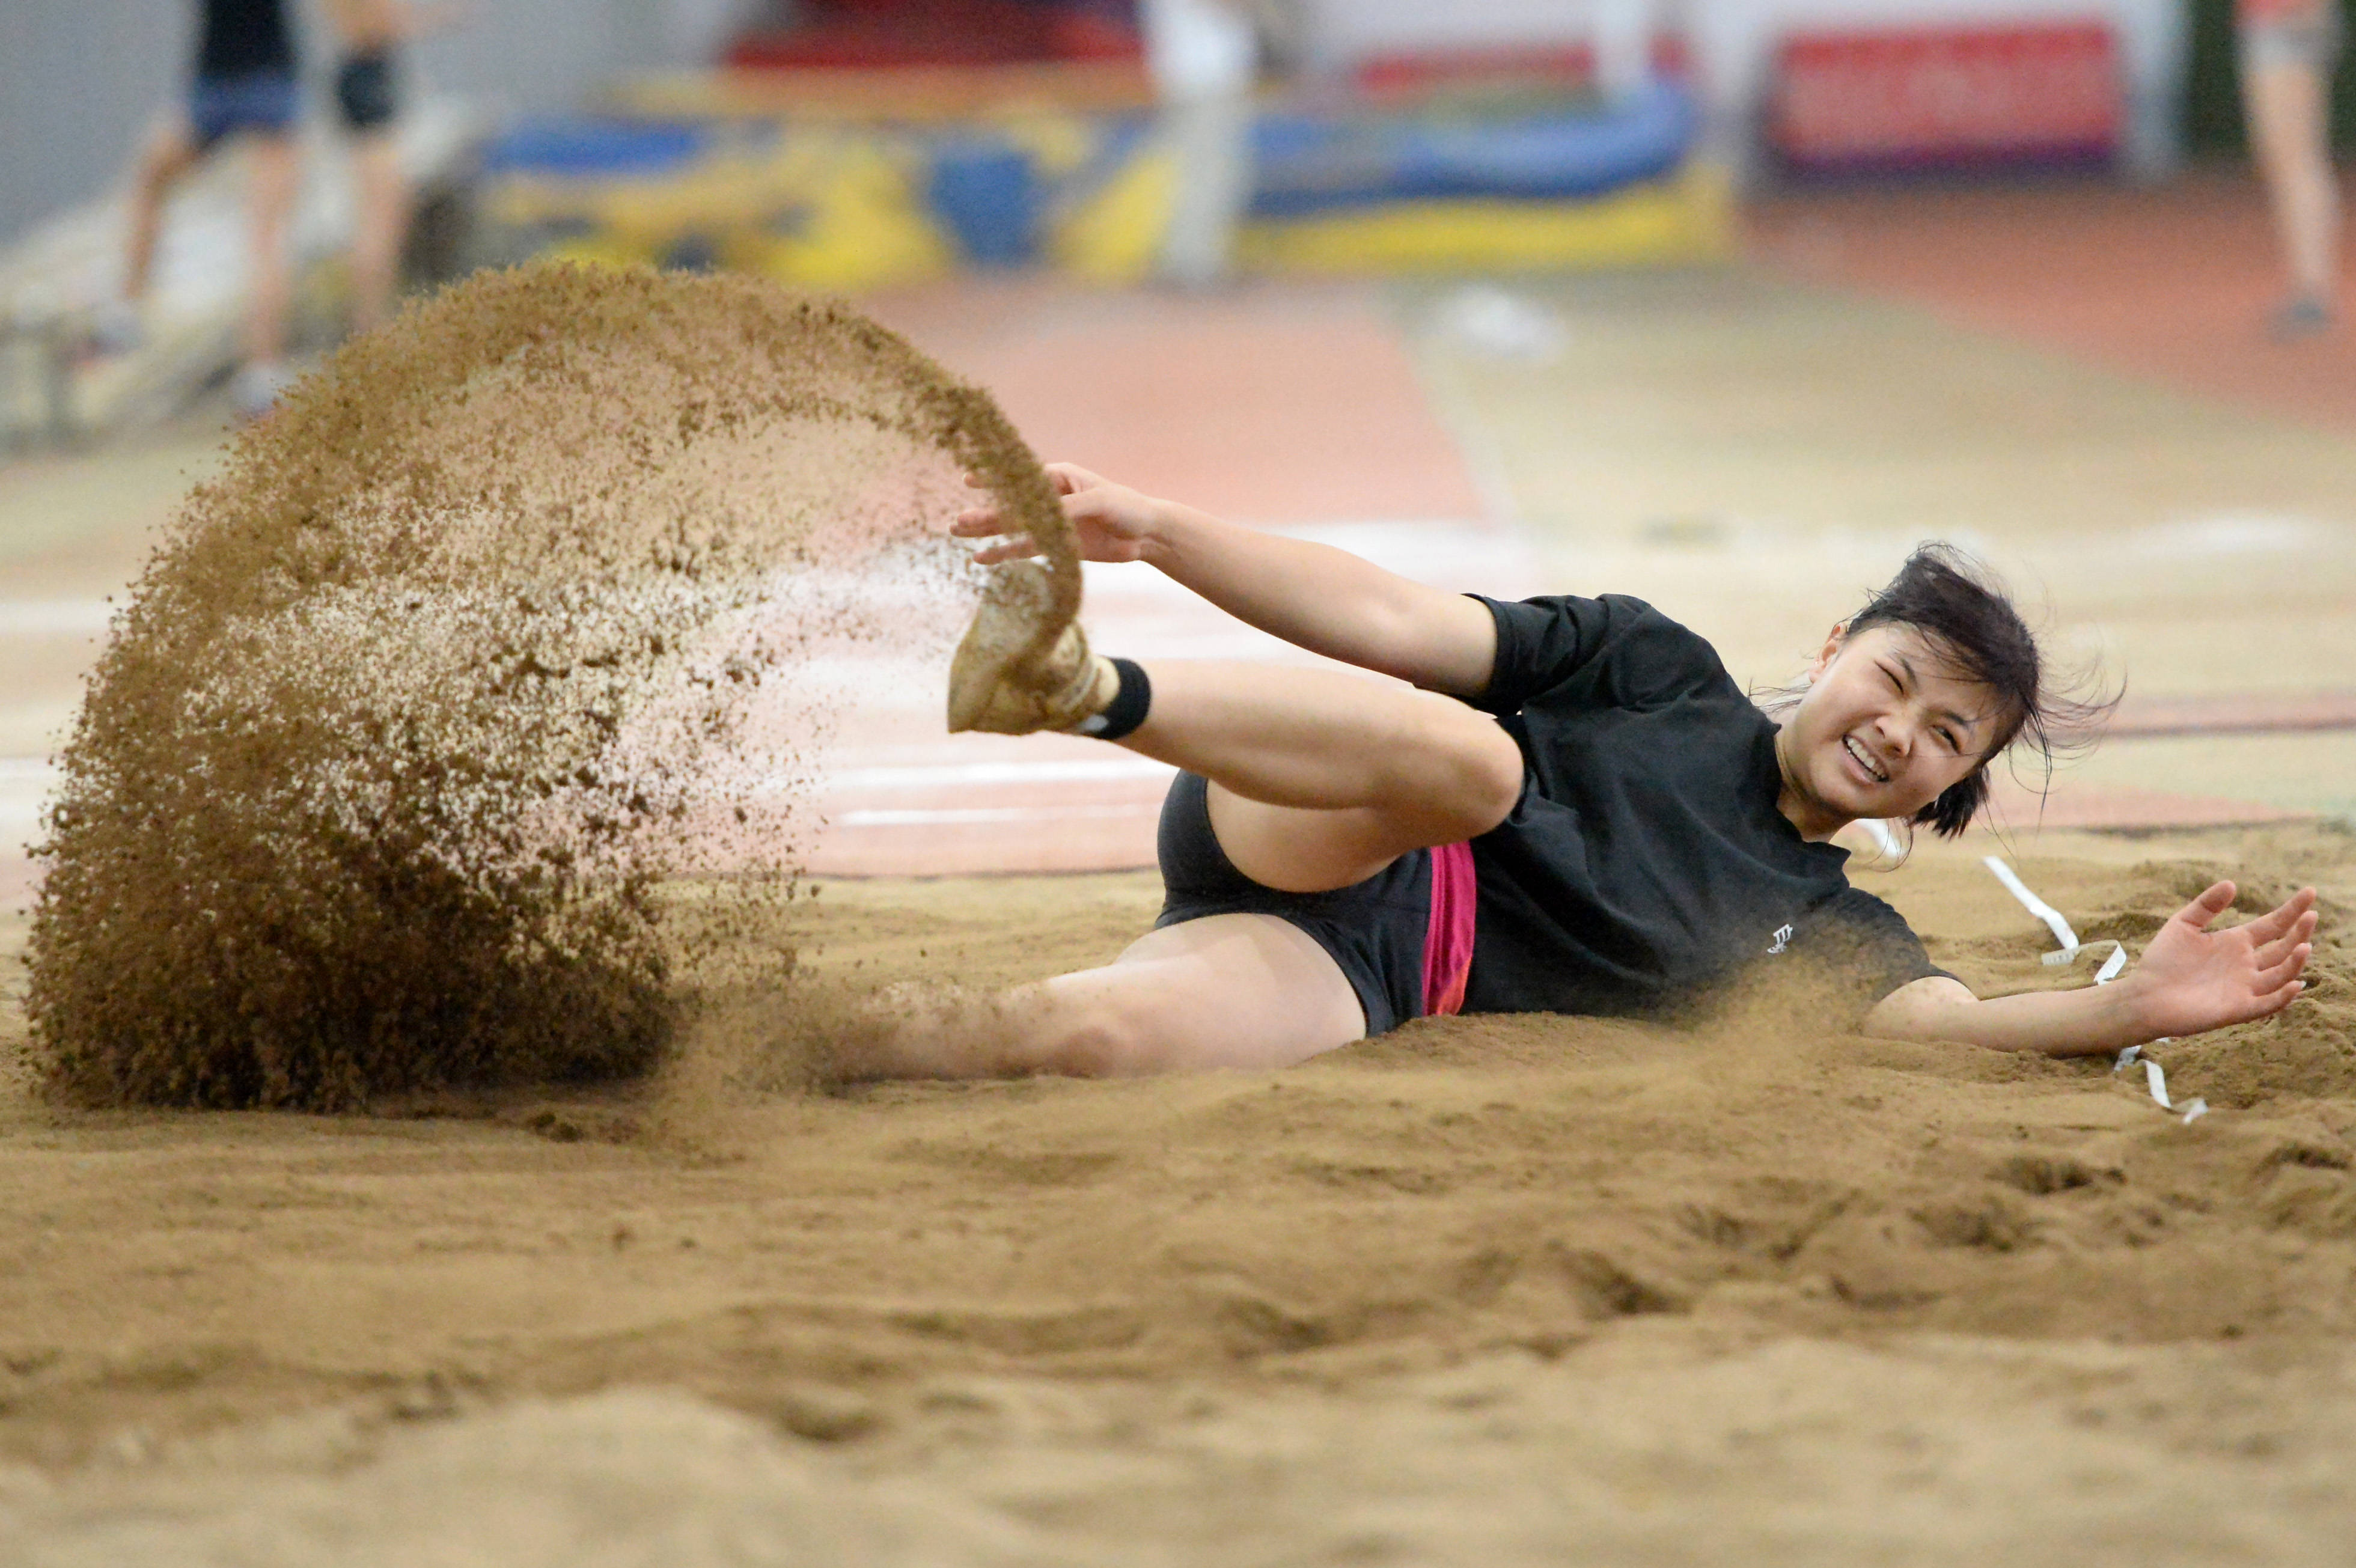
[
  {"x": 2190, "y": 980},
  {"x": 1312, "y": 595}
]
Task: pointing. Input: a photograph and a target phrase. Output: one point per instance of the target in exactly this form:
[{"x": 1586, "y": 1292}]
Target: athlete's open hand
[
  {"x": 2193, "y": 979},
  {"x": 1112, "y": 522}
]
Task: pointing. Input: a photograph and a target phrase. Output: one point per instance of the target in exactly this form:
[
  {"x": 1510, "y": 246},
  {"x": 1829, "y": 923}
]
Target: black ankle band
[{"x": 1127, "y": 710}]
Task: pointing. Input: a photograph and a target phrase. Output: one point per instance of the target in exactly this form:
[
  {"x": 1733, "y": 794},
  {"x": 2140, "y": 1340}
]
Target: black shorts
[
  {"x": 366, "y": 92},
  {"x": 1374, "y": 929},
  {"x": 262, "y": 103}
]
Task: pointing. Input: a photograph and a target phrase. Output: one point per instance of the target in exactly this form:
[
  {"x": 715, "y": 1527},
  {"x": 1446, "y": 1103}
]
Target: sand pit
[
  {"x": 1491, "y": 1292},
  {"x": 1485, "y": 1291}
]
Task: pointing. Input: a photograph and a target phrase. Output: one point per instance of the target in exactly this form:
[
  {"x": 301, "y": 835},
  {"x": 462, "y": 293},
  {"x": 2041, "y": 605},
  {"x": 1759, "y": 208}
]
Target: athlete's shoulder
[
  {"x": 1623, "y": 648},
  {"x": 1653, "y": 655},
  {"x": 1854, "y": 904},
  {"x": 1865, "y": 942}
]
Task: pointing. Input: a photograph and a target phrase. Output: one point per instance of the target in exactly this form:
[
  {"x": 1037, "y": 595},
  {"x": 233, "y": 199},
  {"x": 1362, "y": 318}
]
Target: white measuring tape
[
  {"x": 2069, "y": 953},
  {"x": 2158, "y": 1082},
  {"x": 2071, "y": 947}
]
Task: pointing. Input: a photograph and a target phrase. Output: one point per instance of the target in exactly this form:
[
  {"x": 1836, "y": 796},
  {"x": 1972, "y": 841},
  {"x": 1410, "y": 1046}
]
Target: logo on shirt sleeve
[{"x": 1783, "y": 938}]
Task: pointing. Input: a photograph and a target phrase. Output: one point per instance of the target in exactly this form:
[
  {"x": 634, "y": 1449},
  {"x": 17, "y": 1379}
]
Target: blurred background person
[
  {"x": 2288, "y": 48},
  {"x": 1203, "y": 56},
  {"x": 244, "y": 85},
  {"x": 368, "y": 101}
]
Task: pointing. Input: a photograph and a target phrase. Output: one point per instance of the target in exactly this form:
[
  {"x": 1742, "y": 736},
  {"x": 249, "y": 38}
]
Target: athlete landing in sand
[{"x": 1577, "y": 810}]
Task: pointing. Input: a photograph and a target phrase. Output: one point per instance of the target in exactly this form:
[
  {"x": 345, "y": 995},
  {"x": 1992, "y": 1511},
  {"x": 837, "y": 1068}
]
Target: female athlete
[{"x": 1575, "y": 810}]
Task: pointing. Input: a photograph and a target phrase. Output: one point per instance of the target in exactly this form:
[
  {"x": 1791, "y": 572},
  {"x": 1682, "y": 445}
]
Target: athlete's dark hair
[{"x": 1961, "y": 610}]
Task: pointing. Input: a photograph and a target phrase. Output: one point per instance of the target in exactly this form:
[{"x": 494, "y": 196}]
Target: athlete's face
[{"x": 1887, "y": 725}]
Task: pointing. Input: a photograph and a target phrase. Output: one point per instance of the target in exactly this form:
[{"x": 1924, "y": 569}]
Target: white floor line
[
  {"x": 950, "y": 816},
  {"x": 944, "y": 775},
  {"x": 51, "y": 617}
]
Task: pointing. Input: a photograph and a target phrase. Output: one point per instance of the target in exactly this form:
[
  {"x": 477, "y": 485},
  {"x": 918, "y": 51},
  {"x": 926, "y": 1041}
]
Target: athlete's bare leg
[
  {"x": 2289, "y": 107},
  {"x": 274, "y": 174},
  {"x": 163, "y": 157},
  {"x": 383, "y": 219},
  {"x": 1319, "y": 779},
  {"x": 1247, "y": 992}
]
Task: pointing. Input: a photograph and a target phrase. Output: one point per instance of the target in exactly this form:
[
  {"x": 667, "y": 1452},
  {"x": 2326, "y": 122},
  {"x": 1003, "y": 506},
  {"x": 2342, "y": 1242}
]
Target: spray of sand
[{"x": 483, "y": 639}]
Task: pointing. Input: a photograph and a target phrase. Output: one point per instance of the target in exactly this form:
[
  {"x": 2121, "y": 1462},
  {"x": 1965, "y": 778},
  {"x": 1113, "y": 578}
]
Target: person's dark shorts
[
  {"x": 1374, "y": 929},
  {"x": 366, "y": 96},
  {"x": 265, "y": 103}
]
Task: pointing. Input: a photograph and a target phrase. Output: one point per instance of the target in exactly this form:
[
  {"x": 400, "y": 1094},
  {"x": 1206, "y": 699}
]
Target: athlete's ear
[{"x": 1831, "y": 650}]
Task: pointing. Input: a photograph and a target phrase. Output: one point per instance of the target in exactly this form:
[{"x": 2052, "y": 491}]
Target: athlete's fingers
[
  {"x": 2270, "y": 952},
  {"x": 2204, "y": 909},
  {"x": 2299, "y": 906},
  {"x": 1066, "y": 477},
  {"x": 1012, "y": 550},
  {"x": 2275, "y": 1001},
  {"x": 1091, "y": 503},
  {"x": 2283, "y": 974},
  {"x": 2265, "y": 928},
  {"x": 2297, "y": 931}
]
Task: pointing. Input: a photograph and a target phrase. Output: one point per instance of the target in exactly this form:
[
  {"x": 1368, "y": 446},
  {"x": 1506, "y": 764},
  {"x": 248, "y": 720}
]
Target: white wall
[{"x": 80, "y": 79}]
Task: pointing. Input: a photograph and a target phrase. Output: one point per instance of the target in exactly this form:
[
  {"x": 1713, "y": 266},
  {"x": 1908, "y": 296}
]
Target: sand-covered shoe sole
[{"x": 993, "y": 687}]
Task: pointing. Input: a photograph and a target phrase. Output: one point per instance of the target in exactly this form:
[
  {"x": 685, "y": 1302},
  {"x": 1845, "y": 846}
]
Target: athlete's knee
[
  {"x": 1475, "y": 772},
  {"x": 160, "y": 166},
  {"x": 1117, "y": 1022},
  {"x": 1499, "y": 776},
  {"x": 1100, "y": 1040}
]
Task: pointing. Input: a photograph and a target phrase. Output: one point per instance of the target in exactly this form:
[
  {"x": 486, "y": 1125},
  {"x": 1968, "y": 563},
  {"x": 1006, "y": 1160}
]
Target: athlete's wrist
[
  {"x": 2138, "y": 1008},
  {"x": 1163, "y": 532},
  {"x": 2125, "y": 1012}
]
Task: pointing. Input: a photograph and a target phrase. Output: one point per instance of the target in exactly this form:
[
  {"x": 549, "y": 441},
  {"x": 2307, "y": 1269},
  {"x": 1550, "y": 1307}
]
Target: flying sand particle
[{"x": 380, "y": 782}]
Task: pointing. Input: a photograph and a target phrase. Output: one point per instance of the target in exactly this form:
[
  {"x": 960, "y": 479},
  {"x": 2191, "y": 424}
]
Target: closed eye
[{"x": 1948, "y": 737}]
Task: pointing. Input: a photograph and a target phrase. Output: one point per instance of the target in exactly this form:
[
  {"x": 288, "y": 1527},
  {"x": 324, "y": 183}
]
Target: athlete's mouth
[{"x": 1880, "y": 774}]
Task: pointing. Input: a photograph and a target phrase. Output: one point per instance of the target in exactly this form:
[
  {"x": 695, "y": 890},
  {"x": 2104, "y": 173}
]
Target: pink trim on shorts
[{"x": 1447, "y": 939}]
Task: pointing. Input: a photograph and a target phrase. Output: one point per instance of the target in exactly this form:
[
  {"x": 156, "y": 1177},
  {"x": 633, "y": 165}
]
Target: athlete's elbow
[{"x": 1929, "y": 1009}]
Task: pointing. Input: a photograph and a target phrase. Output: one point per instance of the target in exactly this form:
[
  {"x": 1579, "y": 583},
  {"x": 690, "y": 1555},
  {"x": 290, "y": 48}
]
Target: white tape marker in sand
[
  {"x": 2070, "y": 949},
  {"x": 2158, "y": 1082},
  {"x": 2054, "y": 922}
]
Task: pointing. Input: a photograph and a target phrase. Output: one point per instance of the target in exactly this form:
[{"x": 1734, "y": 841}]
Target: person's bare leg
[
  {"x": 163, "y": 159},
  {"x": 1318, "y": 779},
  {"x": 2289, "y": 107},
  {"x": 1247, "y": 992},
  {"x": 275, "y": 172},
  {"x": 383, "y": 220},
  {"x": 1321, "y": 778}
]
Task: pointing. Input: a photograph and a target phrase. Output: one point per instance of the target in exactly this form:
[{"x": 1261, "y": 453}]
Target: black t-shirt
[
  {"x": 1646, "y": 859},
  {"x": 244, "y": 37}
]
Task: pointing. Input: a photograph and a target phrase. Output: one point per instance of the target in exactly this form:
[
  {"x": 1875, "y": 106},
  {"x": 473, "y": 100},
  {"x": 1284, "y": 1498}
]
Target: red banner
[{"x": 1954, "y": 96}]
